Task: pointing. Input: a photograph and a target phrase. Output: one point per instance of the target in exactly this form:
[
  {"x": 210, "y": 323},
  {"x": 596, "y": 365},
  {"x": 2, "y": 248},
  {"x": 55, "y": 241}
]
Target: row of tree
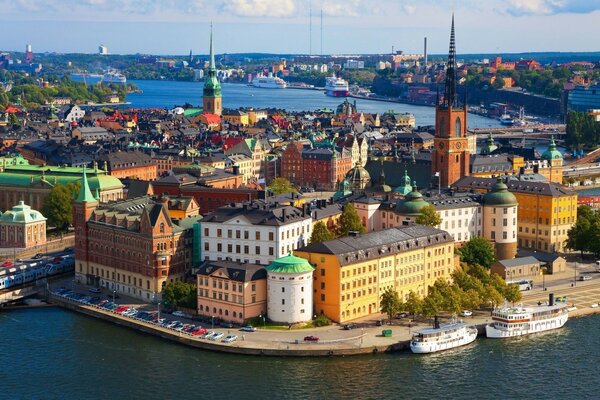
[
  {"x": 472, "y": 287},
  {"x": 180, "y": 294},
  {"x": 584, "y": 236},
  {"x": 582, "y": 130}
]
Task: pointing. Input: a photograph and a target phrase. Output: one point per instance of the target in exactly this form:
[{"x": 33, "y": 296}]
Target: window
[
  {"x": 219, "y": 247},
  {"x": 271, "y": 236},
  {"x": 254, "y": 287},
  {"x": 257, "y": 250},
  {"x": 205, "y": 231},
  {"x": 229, "y": 233},
  {"x": 283, "y": 302},
  {"x": 270, "y": 251},
  {"x": 257, "y": 235},
  {"x": 237, "y": 234},
  {"x": 162, "y": 227},
  {"x": 457, "y": 127},
  {"x": 322, "y": 271},
  {"x": 219, "y": 232},
  {"x": 206, "y": 246}
]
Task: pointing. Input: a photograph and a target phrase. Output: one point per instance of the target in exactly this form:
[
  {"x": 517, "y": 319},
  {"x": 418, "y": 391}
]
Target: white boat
[
  {"x": 269, "y": 82},
  {"x": 506, "y": 119},
  {"x": 519, "y": 321},
  {"x": 442, "y": 337},
  {"x": 113, "y": 77},
  {"x": 336, "y": 87}
]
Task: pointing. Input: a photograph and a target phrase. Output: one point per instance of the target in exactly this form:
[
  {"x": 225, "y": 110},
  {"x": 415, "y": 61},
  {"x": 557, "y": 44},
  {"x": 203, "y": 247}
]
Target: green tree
[
  {"x": 282, "y": 185},
  {"x": 478, "y": 250},
  {"x": 390, "y": 303},
  {"x": 581, "y": 236},
  {"x": 512, "y": 293},
  {"x": 320, "y": 233},
  {"x": 429, "y": 217},
  {"x": 349, "y": 221},
  {"x": 13, "y": 120},
  {"x": 431, "y": 305},
  {"x": 180, "y": 294},
  {"x": 57, "y": 206},
  {"x": 413, "y": 304}
]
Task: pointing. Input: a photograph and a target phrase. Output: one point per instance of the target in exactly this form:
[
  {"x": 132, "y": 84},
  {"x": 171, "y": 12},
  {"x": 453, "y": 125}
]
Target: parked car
[
  {"x": 402, "y": 315},
  {"x": 208, "y": 334},
  {"x": 311, "y": 339},
  {"x": 466, "y": 313},
  {"x": 217, "y": 336},
  {"x": 95, "y": 290},
  {"x": 181, "y": 314},
  {"x": 348, "y": 327},
  {"x": 585, "y": 277},
  {"x": 229, "y": 339},
  {"x": 38, "y": 256},
  {"x": 380, "y": 322},
  {"x": 199, "y": 331},
  {"x": 248, "y": 328}
]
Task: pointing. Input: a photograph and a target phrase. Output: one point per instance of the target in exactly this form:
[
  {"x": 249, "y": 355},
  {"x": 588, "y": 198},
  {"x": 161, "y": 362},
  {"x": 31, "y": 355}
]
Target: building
[
  {"x": 102, "y": 50},
  {"x": 32, "y": 183},
  {"x": 450, "y": 159},
  {"x": 517, "y": 268},
  {"x": 290, "y": 290},
  {"x": 91, "y": 135},
  {"x": 130, "y": 164},
  {"x": 546, "y": 211},
  {"x": 254, "y": 232},
  {"x": 231, "y": 291},
  {"x": 211, "y": 95},
  {"x": 22, "y": 227},
  {"x": 133, "y": 246},
  {"x": 252, "y": 166},
  {"x": 351, "y": 273},
  {"x": 237, "y": 118}
]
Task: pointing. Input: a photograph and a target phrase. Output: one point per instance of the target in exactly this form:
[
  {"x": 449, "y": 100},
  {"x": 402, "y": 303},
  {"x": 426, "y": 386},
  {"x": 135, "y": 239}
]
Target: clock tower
[{"x": 450, "y": 158}]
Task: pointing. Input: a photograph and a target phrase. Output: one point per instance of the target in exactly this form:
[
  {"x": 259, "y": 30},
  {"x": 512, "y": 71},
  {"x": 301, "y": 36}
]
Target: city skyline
[{"x": 266, "y": 26}]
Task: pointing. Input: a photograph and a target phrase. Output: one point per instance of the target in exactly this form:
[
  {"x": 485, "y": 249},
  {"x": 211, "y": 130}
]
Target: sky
[{"x": 282, "y": 26}]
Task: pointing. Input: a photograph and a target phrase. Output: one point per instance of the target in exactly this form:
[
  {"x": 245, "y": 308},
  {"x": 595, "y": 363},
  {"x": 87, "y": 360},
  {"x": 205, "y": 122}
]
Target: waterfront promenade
[{"x": 366, "y": 338}]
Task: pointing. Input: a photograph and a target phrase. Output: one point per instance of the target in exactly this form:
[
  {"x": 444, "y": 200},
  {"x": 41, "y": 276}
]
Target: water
[
  {"x": 168, "y": 94},
  {"x": 55, "y": 354}
]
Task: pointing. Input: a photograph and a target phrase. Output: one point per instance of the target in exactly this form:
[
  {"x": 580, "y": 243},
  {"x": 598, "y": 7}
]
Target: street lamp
[
  {"x": 260, "y": 316},
  {"x": 213, "y": 322},
  {"x": 114, "y": 292},
  {"x": 158, "y": 309},
  {"x": 575, "y": 275}
]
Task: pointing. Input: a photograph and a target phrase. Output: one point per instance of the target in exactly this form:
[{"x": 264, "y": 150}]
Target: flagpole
[{"x": 439, "y": 183}]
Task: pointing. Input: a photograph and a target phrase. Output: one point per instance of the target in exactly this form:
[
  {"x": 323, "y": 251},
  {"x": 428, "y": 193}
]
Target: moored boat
[
  {"x": 520, "y": 321},
  {"x": 442, "y": 337},
  {"x": 336, "y": 87}
]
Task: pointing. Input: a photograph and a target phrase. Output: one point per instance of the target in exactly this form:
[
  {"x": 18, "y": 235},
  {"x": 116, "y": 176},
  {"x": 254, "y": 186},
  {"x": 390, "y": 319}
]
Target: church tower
[
  {"x": 450, "y": 158},
  {"x": 83, "y": 207},
  {"x": 211, "y": 95}
]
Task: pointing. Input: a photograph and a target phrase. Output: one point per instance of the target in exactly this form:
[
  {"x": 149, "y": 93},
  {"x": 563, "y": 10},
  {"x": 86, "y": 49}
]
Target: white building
[
  {"x": 290, "y": 290},
  {"x": 254, "y": 232},
  {"x": 103, "y": 50},
  {"x": 354, "y": 64},
  {"x": 500, "y": 216}
]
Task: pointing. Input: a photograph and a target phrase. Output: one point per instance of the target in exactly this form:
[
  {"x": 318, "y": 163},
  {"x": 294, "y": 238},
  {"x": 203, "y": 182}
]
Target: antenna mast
[
  {"x": 310, "y": 28},
  {"x": 321, "y": 31}
]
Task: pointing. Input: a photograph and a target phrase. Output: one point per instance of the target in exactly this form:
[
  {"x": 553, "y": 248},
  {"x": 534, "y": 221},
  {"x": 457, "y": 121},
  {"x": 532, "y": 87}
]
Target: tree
[
  {"x": 349, "y": 221},
  {"x": 281, "y": 185},
  {"x": 478, "y": 251},
  {"x": 57, "y": 206},
  {"x": 413, "y": 304},
  {"x": 390, "y": 303},
  {"x": 429, "y": 217},
  {"x": 583, "y": 235},
  {"x": 513, "y": 293},
  {"x": 320, "y": 233},
  {"x": 180, "y": 294}
]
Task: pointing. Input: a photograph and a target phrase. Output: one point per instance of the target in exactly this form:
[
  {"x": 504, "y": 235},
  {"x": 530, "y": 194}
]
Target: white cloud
[
  {"x": 260, "y": 8},
  {"x": 550, "y": 7},
  {"x": 341, "y": 9},
  {"x": 409, "y": 8}
]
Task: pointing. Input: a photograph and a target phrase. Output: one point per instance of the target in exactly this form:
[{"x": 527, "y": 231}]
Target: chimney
[
  {"x": 436, "y": 322},
  {"x": 551, "y": 299},
  {"x": 236, "y": 169},
  {"x": 283, "y": 214}
]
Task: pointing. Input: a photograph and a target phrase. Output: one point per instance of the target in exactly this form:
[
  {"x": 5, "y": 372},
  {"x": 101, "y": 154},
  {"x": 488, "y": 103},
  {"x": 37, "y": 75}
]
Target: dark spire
[{"x": 450, "y": 99}]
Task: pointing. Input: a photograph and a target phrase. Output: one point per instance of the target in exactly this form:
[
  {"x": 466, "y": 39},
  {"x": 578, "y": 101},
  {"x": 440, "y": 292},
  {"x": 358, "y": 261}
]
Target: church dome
[
  {"x": 552, "y": 153},
  {"x": 499, "y": 196},
  {"x": 22, "y": 213},
  {"x": 412, "y": 203},
  {"x": 358, "y": 177},
  {"x": 405, "y": 186}
]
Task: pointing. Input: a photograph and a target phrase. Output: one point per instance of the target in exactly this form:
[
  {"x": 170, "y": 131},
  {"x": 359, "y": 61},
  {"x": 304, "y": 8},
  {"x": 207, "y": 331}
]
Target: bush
[{"x": 321, "y": 320}]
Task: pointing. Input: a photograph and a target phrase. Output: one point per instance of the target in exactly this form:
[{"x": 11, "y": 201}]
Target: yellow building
[
  {"x": 236, "y": 117},
  {"x": 547, "y": 211},
  {"x": 256, "y": 115},
  {"x": 351, "y": 273}
]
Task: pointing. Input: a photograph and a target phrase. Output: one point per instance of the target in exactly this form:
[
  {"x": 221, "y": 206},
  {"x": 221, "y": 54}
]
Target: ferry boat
[
  {"x": 519, "y": 321},
  {"x": 442, "y": 337},
  {"x": 269, "y": 82},
  {"x": 336, "y": 87},
  {"x": 113, "y": 77}
]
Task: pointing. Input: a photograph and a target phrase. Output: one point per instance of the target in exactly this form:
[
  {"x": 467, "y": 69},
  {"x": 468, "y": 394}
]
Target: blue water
[
  {"x": 55, "y": 354},
  {"x": 168, "y": 94}
]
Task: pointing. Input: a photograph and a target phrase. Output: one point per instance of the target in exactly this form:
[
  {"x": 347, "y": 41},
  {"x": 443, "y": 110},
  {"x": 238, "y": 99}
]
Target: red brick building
[
  {"x": 131, "y": 246},
  {"x": 130, "y": 164}
]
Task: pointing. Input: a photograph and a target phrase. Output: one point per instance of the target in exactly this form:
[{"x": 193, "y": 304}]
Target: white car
[
  {"x": 585, "y": 277},
  {"x": 130, "y": 312},
  {"x": 181, "y": 314},
  {"x": 229, "y": 339},
  {"x": 216, "y": 336},
  {"x": 466, "y": 313},
  {"x": 207, "y": 335}
]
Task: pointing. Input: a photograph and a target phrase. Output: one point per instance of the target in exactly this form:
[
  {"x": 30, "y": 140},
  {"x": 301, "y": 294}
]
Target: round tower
[{"x": 500, "y": 220}]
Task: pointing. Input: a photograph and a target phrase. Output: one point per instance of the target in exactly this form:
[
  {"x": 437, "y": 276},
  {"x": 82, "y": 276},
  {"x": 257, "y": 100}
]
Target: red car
[
  {"x": 311, "y": 339},
  {"x": 199, "y": 331},
  {"x": 121, "y": 309}
]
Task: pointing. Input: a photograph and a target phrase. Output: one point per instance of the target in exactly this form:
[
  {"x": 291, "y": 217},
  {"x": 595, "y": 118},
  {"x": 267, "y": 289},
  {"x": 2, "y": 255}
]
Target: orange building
[
  {"x": 130, "y": 164},
  {"x": 231, "y": 291}
]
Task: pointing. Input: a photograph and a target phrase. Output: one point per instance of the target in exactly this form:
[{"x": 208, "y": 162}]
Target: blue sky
[{"x": 282, "y": 26}]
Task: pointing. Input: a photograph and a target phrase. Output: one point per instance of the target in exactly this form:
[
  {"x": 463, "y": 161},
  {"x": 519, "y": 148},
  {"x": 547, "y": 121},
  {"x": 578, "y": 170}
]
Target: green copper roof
[
  {"x": 212, "y": 87},
  {"x": 552, "y": 153},
  {"x": 290, "y": 264},
  {"x": 22, "y": 213},
  {"x": 499, "y": 196},
  {"x": 85, "y": 195},
  {"x": 192, "y": 112},
  {"x": 411, "y": 204},
  {"x": 405, "y": 186}
]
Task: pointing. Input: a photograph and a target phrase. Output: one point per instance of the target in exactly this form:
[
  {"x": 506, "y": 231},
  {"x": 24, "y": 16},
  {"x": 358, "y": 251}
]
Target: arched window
[
  {"x": 162, "y": 227},
  {"x": 457, "y": 127}
]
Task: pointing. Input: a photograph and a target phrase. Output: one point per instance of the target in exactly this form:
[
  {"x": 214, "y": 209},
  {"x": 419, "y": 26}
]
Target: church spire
[
  {"x": 450, "y": 99},
  {"x": 85, "y": 194},
  {"x": 211, "y": 63}
]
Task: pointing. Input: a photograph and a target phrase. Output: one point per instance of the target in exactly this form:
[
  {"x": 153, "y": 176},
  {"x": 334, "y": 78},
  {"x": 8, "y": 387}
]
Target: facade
[
  {"x": 252, "y": 166},
  {"x": 22, "y": 227},
  {"x": 290, "y": 290},
  {"x": 32, "y": 183},
  {"x": 546, "y": 211},
  {"x": 517, "y": 269},
  {"x": 500, "y": 220},
  {"x": 254, "y": 232},
  {"x": 450, "y": 159},
  {"x": 231, "y": 291},
  {"x": 130, "y": 164},
  {"x": 212, "y": 102},
  {"x": 132, "y": 247},
  {"x": 351, "y": 273}
]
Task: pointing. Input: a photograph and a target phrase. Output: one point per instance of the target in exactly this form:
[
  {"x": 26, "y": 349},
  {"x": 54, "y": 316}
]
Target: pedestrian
[{"x": 243, "y": 338}]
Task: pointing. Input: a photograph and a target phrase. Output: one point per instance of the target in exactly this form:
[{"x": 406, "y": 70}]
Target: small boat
[
  {"x": 442, "y": 337},
  {"x": 520, "y": 321}
]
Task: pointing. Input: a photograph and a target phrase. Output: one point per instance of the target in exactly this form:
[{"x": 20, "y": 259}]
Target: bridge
[
  {"x": 590, "y": 157},
  {"x": 8, "y": 296},
  {"x": 581, "y": 171}
]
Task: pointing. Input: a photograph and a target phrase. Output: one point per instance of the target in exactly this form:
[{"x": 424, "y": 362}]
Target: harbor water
[{"x": 50, "y": 353}]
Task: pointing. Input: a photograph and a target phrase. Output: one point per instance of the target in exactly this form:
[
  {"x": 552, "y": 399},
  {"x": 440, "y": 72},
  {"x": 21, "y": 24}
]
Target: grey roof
[
  {"x": 257, "y": 214},
  {"x": 515, "y": 186},
  {"x": 126, "y": 159},
  {"x": 516, "y": 262},
  {"x": 372, "y": 245},
  {"x": 235, "y": 271},
  {"x": 494, "y": 163},
  {"x": 539, "y": 255}
]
